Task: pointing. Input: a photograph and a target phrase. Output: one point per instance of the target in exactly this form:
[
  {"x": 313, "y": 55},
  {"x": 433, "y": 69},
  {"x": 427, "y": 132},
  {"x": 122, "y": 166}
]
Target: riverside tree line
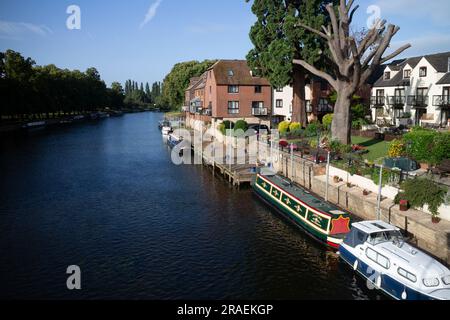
[{"x": 31, "y": 91}]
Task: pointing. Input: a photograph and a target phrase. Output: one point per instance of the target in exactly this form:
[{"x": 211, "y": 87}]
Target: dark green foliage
[
  {"x": 176, "y": 82},
  {"x": 276, "y": 40},
  {"x": 241, "y": 125},
  {"x": 226, "y": 125},
  {"x": 30, "y": 91},
  {"x": 135, "y": 95},
  {"x": 420, "y": 192},
  {"x": 312, "y": 129},
  {"x": 427, "y": 145}
]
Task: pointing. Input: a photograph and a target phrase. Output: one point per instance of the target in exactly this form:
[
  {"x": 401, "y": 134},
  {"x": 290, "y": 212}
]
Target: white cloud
[
  {"x": 10, "y": 29},
  {"x": 435, "y": 11},
  {"x": 151, "y": 13}
]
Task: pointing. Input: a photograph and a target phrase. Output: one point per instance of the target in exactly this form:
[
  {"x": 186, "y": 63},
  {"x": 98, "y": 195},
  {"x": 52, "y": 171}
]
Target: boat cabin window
[
  {"x": 378, "y": 258},
  {"x": 446, "y": 280},
  {"x": 406, "y": 274},
  {"x": 386, "y": 236},
  {"x": 431, "y": 282},
  {"x": 355, "y": 237}
]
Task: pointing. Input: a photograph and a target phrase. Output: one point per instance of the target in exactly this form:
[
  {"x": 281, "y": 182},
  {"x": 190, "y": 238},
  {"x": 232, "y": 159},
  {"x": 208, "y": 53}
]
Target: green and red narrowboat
[{"x": 320, "y": 219}]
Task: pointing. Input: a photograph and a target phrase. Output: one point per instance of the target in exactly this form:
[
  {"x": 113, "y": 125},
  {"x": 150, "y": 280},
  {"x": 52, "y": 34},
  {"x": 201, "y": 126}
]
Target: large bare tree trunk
[
  {"x": 298, "y": 102},
  {"x": 342, "y": 122}
]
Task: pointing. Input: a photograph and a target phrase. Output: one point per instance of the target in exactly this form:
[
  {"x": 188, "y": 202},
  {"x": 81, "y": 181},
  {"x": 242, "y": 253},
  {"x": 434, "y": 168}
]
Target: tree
[
  {"x": 176, "y": 82},
  {"x": 353, "y": 61},
  {"x": 277, "y": 43}
]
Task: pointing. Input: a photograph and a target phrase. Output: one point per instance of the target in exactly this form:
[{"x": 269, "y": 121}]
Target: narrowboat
[
  {"x": 323, "y": 221},
  {"x": 378, "y": 252}
]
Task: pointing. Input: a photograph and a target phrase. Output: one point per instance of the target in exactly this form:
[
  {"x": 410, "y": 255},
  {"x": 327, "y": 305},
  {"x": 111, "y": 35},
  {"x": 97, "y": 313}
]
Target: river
[{"x": 105, "y": 197}]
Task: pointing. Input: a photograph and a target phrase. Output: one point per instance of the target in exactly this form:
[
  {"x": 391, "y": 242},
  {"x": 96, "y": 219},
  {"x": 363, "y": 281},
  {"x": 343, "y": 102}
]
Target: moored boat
[
  {"x": 166, "y": 131},
  {"x": 35, "y": 125},
  {"x": 174, "y": 140},
  {"x": 378, "y": 252},
  {"x": 320, "y": 219}
]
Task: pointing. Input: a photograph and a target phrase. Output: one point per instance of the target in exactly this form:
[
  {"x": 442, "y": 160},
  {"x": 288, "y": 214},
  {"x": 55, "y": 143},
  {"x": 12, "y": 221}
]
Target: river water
[{"x": 106, "y": 197}]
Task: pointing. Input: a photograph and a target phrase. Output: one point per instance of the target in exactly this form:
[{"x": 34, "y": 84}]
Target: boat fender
[
  {"x": 378, "y": 282},
  {"x": 355, "y": 265},
  {"x": 404, "y": 295}
]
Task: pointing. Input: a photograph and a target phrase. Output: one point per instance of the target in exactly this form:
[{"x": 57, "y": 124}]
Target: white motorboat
[{"x": 379, "y": 253}]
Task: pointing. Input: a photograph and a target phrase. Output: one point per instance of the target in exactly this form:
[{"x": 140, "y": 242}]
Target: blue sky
[{"x": 143, "y": 39}]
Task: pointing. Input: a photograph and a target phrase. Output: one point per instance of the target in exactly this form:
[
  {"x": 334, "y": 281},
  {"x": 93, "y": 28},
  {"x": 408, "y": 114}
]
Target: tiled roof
[
  {"x": 236, "y": 72},
  {"x": 439, "y": 61},
  {"x": 445, "y": 79}
]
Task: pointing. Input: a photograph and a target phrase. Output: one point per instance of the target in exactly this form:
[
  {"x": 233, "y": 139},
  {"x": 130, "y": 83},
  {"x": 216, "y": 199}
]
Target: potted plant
[
  {"x": 349, "y": 185},
  {"x": 404, "y": 205},
  {"x": 336, "y": 179},
  {"x": 435, "y": 218}
]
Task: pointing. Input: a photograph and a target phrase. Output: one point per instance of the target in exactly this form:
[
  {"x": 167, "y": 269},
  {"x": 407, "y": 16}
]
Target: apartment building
[
  {"x": 414, "y": 91},
  {"x": 229, "y": 91}
]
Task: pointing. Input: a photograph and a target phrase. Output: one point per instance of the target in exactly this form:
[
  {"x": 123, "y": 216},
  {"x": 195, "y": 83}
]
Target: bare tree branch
[
  {"x": 317, "y": 72},
  {"x": 395, "y": 53}
]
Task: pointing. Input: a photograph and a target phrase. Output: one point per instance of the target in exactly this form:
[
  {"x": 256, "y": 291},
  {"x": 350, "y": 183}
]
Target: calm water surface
[{"x": 105, "y": 196}]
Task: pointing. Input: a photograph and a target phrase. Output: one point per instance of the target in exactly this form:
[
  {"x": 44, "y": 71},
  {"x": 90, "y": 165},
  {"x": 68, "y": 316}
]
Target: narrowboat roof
[{"x": 305, "y": 196}]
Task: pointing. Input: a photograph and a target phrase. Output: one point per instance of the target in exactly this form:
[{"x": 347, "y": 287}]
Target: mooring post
[
  {"x": 380, "y": 189},
  {"x": 328, "y": 176}
]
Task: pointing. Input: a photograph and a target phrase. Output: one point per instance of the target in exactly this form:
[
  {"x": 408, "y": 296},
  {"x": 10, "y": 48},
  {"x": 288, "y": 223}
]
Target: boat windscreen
[{"x": 386, "y": 236}]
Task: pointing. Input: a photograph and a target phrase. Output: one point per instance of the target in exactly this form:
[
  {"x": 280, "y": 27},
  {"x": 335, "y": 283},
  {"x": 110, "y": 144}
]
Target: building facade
[
  {"x": 413, "y": 91},
  {"x": 229, "y": 91},
  {"x": 317, "y": 93}
]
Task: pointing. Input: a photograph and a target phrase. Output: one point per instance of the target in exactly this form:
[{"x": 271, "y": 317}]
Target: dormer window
[
  {"x": 407, "y": 74},
  {"x": 387, "y": 75},
  {"x": 230, "y": 73},
  {"x": 423, "y": 72}
]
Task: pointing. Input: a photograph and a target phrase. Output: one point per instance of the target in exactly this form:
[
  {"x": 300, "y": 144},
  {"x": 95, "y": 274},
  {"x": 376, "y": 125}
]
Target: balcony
[
  {"x": 441, "y": 101},
  {"x": 325, "y": 108},
  {"x": 418, "y": 101},
  {"x": 377, "y": 102},
  {"x": 396, "y": 102},
  {"x": 257, "y": 112}
]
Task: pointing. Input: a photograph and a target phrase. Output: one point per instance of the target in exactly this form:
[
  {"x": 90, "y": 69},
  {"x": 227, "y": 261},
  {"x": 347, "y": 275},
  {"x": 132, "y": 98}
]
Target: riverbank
[
  {"x": 11, "y": 126},
  {"x": 428, "y": 236}
]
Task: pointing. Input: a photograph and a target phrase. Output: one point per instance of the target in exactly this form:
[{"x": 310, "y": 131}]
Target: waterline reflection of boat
[
  {"x": 320, "y": 219},
  {"x": 378, "y": 252}
]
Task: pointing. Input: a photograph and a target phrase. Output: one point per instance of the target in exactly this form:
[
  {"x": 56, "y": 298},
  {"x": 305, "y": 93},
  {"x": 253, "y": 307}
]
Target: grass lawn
[{"x": 377, "y": 149}]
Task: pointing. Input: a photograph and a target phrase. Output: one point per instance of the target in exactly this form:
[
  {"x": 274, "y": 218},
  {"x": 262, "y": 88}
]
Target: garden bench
[{"x": 442, "y": 169}]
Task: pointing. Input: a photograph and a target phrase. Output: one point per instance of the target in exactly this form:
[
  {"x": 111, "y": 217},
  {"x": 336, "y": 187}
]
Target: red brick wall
[{"x": 245, "y": 97}]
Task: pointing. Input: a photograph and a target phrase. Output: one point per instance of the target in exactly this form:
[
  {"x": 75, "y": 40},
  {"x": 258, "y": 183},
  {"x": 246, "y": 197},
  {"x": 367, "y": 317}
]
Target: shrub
[
  {"x": 296, "y": 133},
  {"x": 294, "y": 126},
  {"x": 226, "y": 125},
  {"x": 397, "y": 148},
  {"x": 427, "y": 145},
  {"x": 357, "y": 124},
  {"x": 327, "y": 121},
  {"x": 283, "y": 127},
  {"x": 441, "y": 147},
  {"x": 311, "y": 129},
  {"x": 358, "y": 111},
  {"x": 241, "y": 125},
  {"x": 419, "y": 144},
  {"x": 420, "y": 192}
]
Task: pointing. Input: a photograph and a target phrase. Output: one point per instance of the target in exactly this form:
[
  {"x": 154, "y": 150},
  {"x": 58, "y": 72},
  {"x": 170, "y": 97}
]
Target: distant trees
[
  {"x": 27, "y": 90},
  {"x": 136, "y": 95},
  {"x": 176, "y": 82}
]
